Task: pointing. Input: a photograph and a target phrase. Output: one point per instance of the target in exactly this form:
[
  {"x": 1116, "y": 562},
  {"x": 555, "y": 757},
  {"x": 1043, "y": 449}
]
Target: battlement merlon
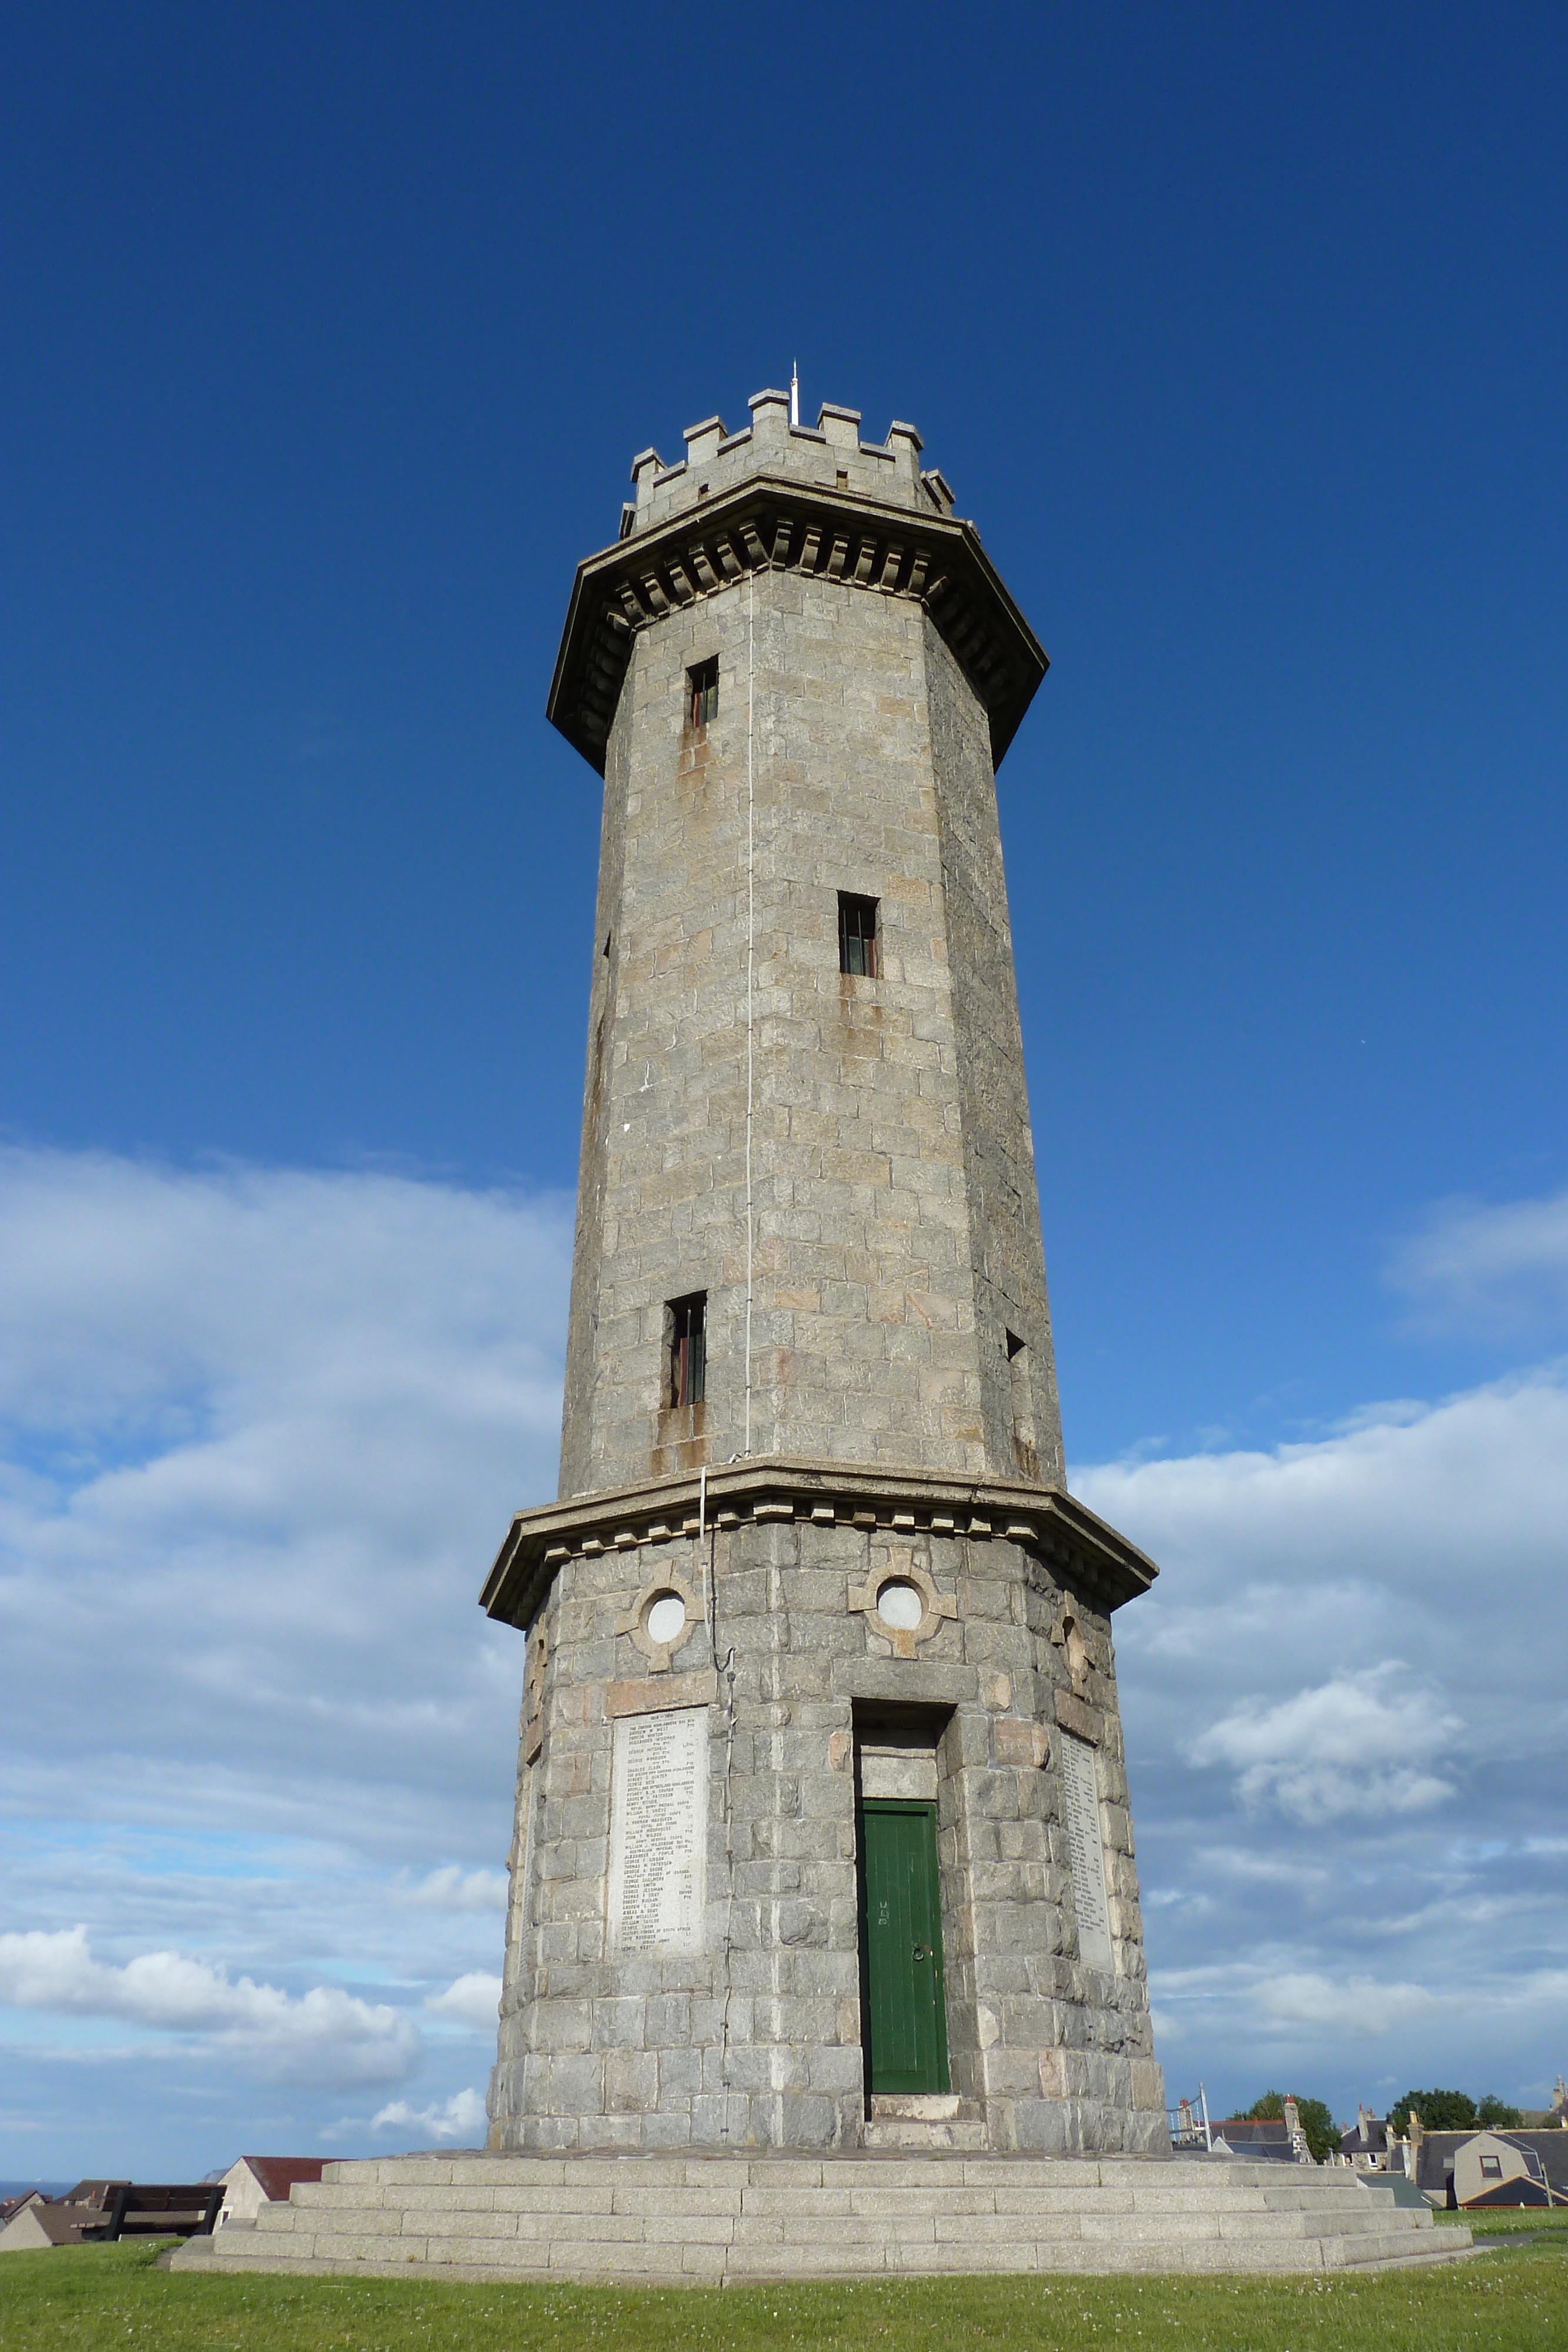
[
  {"x": 787, "y": 505},
  {"x": 829, "y": 454}
]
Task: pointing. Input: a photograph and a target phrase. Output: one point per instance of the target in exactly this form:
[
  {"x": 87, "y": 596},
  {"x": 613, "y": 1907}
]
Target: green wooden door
[{"x": 902, "y": 1943}]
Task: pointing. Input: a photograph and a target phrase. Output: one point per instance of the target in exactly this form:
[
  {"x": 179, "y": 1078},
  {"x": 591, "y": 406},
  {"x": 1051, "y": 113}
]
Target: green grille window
[
  {"x": 857, "y": 935},
  {"x": 703, "y": 682},
  {"x": 688, "y": 1348}
]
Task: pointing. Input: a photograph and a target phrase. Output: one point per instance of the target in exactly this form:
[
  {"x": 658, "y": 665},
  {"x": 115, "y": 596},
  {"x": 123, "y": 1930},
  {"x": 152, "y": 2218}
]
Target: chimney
[{"x": 1293, "y": 2126}]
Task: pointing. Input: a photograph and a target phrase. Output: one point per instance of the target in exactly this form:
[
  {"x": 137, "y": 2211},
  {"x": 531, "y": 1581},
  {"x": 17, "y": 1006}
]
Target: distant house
[
  {"x": 253, "y": 2181},
  {"x": 1368, "y": 2147},
  {"x": 1243, "y": 2136},
  {"x": 1276, "y": 2140},
  {"x": 11, "y": 2206},
  {"x": 1487, "y": 2167},
  {"x": 57, "y": 2220},
  {"x": 45, "y": 2224},
  {"x": 1545, "y": 2119}
]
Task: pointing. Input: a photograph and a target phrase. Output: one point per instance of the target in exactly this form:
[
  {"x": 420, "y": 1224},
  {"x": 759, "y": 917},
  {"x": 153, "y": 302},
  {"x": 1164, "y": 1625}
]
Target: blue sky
[{"x": 330, "y": 335}]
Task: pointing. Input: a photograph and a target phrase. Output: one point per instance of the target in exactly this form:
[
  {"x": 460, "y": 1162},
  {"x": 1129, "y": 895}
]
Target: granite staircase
[{"x": 718, "y": 2219}]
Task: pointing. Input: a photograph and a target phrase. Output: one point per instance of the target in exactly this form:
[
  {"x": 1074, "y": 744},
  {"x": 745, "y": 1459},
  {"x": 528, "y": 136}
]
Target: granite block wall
[
  {"x": 894, "y": 1224},
  {"x": 754, "y": 2040}
]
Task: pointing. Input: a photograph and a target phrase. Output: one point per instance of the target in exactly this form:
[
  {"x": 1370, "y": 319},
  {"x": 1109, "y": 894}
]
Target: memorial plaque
[
  {"x": 658, "y": 1832},
  {"x": 1081, "y": 1791}
]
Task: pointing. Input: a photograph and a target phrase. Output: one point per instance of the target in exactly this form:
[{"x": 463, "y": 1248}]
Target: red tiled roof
[{"x": 277, "y": 2174}]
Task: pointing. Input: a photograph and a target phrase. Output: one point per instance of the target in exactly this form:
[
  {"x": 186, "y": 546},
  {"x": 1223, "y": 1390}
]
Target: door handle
[{"x": 921, "y": 1952}]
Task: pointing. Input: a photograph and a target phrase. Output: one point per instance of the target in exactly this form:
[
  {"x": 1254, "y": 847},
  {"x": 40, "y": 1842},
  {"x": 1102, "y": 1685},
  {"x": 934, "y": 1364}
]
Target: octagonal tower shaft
[{"x": 838, "y": 1163}]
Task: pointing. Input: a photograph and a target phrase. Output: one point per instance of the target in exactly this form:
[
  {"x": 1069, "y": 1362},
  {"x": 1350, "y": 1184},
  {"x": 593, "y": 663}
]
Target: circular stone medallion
[
  {"x": 900, "y": 1604},
  {"x": 666, "y": 1618}
]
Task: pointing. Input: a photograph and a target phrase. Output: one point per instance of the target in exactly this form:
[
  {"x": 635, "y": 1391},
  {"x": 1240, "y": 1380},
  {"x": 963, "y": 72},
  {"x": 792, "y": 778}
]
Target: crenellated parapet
[
  {"x": 778, "y": 497},
  {"x": 828, "y": 455}
]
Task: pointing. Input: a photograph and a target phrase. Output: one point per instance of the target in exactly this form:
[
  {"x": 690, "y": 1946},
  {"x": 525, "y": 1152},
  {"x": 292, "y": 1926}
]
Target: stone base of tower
[
  {"x": 745, "y": 1698},
  {"x": 716, "y": 2220}
]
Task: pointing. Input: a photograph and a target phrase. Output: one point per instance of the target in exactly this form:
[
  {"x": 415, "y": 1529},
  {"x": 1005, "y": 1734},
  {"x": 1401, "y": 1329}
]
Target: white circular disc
[
  {"x": 666, "y": 1618},
  {"x": 901, "y": 1605}
]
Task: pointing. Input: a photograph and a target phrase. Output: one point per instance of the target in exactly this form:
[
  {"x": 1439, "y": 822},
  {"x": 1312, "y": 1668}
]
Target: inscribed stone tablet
[
  {"x": 1081, "y": 1789},
  {"x": 658, "y": 1832}
]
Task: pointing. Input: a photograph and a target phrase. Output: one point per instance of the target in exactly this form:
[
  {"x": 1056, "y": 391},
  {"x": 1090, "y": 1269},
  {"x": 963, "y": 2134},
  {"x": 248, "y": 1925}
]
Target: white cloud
[
  {"x": 1353, "y": 1744},
  {"x": 460, "y": 2118},
  {"x": 473, "y": 1999},
  {"x": 1362, "y": 2005},
  {"x": 323, "y": 2035},
  {"x": 261, "y": 1433},
  {"x": 1500, "y": 1270},
  {"x": 454, "y": 1889},
  {"x": 1346, "y": 1726}
]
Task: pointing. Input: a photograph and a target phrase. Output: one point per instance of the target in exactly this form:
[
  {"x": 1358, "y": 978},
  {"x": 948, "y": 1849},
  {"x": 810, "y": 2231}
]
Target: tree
[
  {"x": 1318, "y": 2125},
  {"x": 1438, "y": 2111},
  {"x": 1497, "y": 2115}
]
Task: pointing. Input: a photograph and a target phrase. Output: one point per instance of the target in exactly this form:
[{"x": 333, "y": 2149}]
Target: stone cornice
[
  {"x": 775, "y": 522},
  {"x": 1079, "y": 1549}
]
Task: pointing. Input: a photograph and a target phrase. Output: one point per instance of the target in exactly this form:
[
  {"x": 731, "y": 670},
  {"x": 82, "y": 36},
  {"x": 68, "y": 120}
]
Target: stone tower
[{"x": 822, "y": 1836}]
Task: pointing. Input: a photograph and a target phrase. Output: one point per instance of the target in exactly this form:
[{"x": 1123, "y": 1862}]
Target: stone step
[
  {"x": 784, "y": 2227},
  {"x": 694, "y": 2265},
  {"x": 1088, "y": 2173},
  {"x": 909, "y": 2132},
  {"x": 522, "y": 2230},
  {"x": 712, "y": 2219},
  {"x": 925, "y": 2108},
  {"x": 1019, "y": 2194}
]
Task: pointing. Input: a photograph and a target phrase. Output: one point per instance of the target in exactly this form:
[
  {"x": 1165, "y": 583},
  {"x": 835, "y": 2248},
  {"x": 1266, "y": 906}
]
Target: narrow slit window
[
  {"x": 857, "y": 936},
  {"x": 1025, "y": 1446},
  {"x": 688, "y": 1348},
  {"x": 702, "y": 683}
]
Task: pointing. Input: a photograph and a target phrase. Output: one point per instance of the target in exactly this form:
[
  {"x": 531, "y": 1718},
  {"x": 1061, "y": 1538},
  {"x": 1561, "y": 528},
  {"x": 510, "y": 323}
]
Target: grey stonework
[
  {"x": 844, "y": 1167},
  {"x": 831, "y": 456},
  {"x": 757, "y": 2042},
  {"x": 895, "y": 1237},
  {"x": 712, "y": 2219}
]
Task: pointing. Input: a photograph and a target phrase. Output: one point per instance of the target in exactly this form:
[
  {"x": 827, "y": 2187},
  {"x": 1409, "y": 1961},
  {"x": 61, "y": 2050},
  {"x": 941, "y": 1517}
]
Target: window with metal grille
[
  {"x": 857, "y": 935},
  {"x": 702, "y": 681},
  {"x": 686, "y": 1320}
]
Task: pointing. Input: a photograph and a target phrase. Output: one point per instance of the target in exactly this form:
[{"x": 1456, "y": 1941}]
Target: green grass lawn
[
  {"x": 1530, "y": 2220},
  {"x": 92, "y": 2298}
]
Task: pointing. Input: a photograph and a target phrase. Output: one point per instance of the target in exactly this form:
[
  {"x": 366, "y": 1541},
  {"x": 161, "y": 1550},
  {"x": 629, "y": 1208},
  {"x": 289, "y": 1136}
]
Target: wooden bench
[{"x": 165, "y": 2210}]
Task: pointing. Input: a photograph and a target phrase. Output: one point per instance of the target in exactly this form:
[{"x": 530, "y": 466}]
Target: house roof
[
  {"x": 1435, "y": 2163},
  {"x": 50, "y": 2225},
  {"x": 277, "y": 2174}
]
